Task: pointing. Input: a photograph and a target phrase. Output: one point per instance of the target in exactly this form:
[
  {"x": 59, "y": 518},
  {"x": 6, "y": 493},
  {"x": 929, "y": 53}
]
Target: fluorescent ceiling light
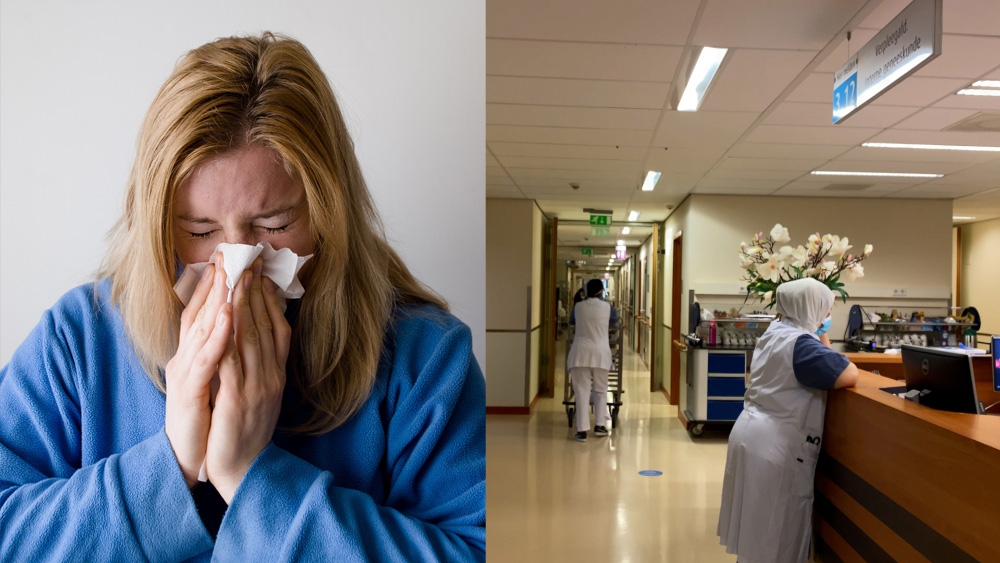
[
  {"x": 976, "y": 92},
  {"x": 633, "y": 215},
  {"x": 880, "y": 174},
  {"x": 652, "y": 177},
  {"x": 930, "y": 147},
  {"x": 621, "y": 242},
  {"x": 962, "y": 218},
  {"x": 626, "y": 230},
  {"x": 620, "y": 247},
  {"x": 704, "y": 71},
  {"x": 986, "y": 84}
]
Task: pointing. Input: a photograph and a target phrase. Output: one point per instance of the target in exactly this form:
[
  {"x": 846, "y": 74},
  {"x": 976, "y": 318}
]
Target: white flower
[
  {"x": 780, "y": 234},
  {"x": 753, "y": 250},
  {"x": 770, "y": 270},
  {"x": 799, "y": 254},
  {"x": 743, "y": 246},
  {"x": 746, "y": 262},
  {"x": 815, "y": 242},
  {"x": 809, "y": 272},
  {"x": 856, "y": 271},
  {"x": 767, "y": 296},
  {"x": 784, "y": 253},
  {"x": 868, "y": 249},
  {"x": 828, "y": 267},
  {"x": 839, "y": 245}
]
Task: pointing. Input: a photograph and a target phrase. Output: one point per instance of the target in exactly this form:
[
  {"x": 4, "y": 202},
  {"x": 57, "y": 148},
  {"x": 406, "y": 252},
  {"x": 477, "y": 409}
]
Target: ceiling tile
[
  {"x": 884, "y": 12},
  {"x": 816, "y": 188},
  {"x": 825, "y": 135},
  {"x": 737, "y": 184},
  {"x": 519, "y": 162},
  {"x": 567, "y": 151},
  {"x": 573, "y": 92},
  {"x": 768, "y": 175},
  {"x": 568, "y": 135},
  {"x": 785, "y": 164},
  {"x": 844, "y": 49},
  {"x": 962, "y": 55},
  {"x": 790, "y": 24},
  {"x": 598, "y": 61},
  {"x": 682, "y": 159},
  {"x": 785, "y": 150},
  {"x": 770, "y": 72},
  {"x": 817, "y": 87},
  {"x": 938, "y": 138},
  {"x": 821, "y": 114},
  {"x": 883, "y": 165},
  {"x": 729, "y": 190},
  {"x": 943, "y": 190},
  {"x": 979, "y": 103},
  {"x": 971, "y": 17},
  {"x": 598, "y": 118},
  {"x": 934, "y": 119},
  {"x": 917, "y": 91},
  {"x": 917, "y": 155},
  {"x": 563, "y": 184},
  {"x": 643, "y": 21},
  {"x": 524, "y": 175},
  {"x": 702, "y": 128}
]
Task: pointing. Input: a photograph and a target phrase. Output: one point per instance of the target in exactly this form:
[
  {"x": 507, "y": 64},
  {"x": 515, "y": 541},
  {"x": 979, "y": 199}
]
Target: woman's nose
[{"x": 241, "y": 237}]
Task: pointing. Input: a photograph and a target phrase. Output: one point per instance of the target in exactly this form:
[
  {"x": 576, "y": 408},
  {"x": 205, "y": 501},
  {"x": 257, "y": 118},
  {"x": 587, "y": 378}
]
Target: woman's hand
[
  {"x": 206, "y": 327},
  {"x": 251, "y": 382}
]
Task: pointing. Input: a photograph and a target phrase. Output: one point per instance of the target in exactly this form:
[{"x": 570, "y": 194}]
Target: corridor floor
[{"x": 550, "y": 498}]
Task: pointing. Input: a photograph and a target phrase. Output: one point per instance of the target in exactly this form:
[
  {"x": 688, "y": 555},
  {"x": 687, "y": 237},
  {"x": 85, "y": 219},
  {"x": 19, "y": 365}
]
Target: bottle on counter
[{"x": 711, "y": 333}]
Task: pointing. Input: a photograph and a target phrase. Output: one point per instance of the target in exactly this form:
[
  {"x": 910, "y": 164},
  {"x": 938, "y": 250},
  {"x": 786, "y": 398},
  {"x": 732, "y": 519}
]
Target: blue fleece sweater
[{"x": 87, "y": 472}]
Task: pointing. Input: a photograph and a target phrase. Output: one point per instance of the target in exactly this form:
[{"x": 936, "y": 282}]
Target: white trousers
[{"x": 590, "y": 385}]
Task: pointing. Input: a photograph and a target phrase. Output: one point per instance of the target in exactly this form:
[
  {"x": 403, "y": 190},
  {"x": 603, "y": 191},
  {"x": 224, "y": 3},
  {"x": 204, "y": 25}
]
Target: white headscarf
[{"x": 804, "y": 303}]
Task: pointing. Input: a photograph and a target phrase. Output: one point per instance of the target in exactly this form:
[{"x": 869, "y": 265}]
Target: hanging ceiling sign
[{"x": 911, "y": 40}]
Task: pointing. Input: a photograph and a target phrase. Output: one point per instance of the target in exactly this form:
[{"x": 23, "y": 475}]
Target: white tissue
[{"x": 282, "y": 266}]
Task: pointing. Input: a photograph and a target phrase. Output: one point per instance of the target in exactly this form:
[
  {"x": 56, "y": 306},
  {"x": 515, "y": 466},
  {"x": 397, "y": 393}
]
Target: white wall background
[{"x": 77, "y": 78}]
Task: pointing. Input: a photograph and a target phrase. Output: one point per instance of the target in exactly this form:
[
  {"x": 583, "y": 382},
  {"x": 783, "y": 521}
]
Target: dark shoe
[
  {"x": 600, "y": 431},
  {"x": 581, "y": 436}
]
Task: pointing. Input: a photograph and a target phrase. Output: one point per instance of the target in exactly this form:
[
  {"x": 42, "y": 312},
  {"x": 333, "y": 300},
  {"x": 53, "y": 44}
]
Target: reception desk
[
  {"x": 891, "y": 366},
  {"x": 899, "y": 481}
]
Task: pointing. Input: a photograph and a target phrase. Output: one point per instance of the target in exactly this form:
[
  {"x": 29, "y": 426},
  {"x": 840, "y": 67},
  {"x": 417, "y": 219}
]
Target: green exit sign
[
  {"x": 600, "y": 232},
  {"x": 600, "y": 220},
  {"x": 587, "y": 251}
]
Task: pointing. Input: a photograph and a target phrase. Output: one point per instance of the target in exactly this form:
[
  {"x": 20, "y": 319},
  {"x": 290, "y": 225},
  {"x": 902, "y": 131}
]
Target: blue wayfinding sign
[{"x": 650, "y": 473}]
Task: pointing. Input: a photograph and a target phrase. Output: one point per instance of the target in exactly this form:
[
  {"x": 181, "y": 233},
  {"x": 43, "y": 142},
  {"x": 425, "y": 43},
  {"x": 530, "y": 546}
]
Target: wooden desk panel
[{"x": 930, "y": 477}]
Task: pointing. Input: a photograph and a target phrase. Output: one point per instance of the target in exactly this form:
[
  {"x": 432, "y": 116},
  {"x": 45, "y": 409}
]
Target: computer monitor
[
  {"x": 995, "y": 347},
  {"x": 946, "y": 376}
]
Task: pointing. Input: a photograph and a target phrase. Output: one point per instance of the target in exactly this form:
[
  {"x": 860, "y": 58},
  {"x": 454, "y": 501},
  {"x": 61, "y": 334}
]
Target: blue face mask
[{"x": 824, "y": 327}]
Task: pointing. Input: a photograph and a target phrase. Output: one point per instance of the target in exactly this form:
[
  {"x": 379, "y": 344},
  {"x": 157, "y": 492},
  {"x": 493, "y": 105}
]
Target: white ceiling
[{"x": 577, "y": 91}]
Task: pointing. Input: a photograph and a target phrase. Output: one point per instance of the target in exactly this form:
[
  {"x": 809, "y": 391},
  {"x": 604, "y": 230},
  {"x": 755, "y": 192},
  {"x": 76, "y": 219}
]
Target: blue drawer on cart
[
  {"x": 724, "y": 410},
  {"x": 727, "y": 363},
  {"x": 726, "y": 387}
]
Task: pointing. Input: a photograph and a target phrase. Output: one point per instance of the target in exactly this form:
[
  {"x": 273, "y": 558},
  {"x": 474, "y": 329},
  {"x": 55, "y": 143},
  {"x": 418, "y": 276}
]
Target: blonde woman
[{"x": 349, "y": 427}]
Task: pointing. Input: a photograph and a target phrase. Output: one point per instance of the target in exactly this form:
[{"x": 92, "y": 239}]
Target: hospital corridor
[{"x": 550, "y": 498}]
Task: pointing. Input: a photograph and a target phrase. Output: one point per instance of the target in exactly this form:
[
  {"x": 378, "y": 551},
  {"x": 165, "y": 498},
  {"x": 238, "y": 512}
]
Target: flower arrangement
[{"x": 768, "y": 262}]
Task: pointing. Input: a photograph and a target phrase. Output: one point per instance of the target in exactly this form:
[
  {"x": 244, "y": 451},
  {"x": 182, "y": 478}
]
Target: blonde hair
[{"x": 263, "y": 91}]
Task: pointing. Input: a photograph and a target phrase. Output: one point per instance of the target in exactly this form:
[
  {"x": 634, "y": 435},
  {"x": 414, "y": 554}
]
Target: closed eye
[
  {"x": 200, "y": 235},
  {"x": 275, "y": 230}
]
